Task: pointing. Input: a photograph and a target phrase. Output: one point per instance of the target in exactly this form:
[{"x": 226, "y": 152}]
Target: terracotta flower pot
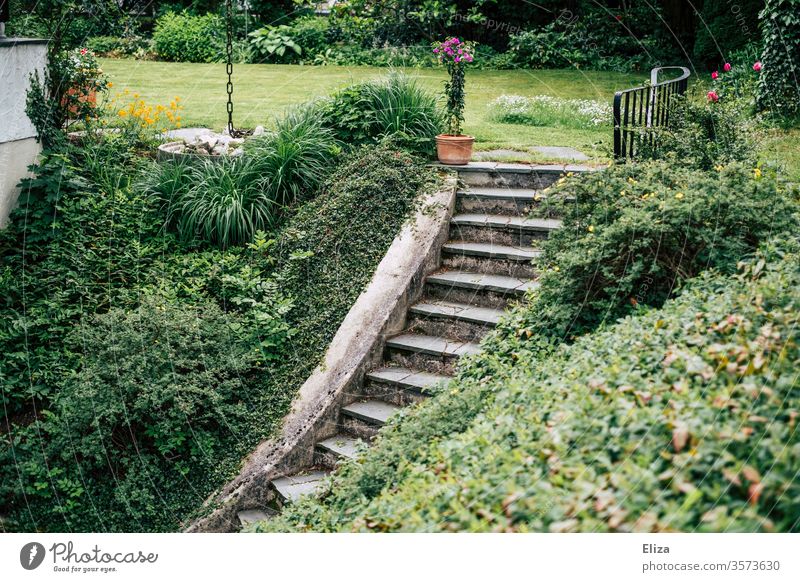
[
  {"x": 84, "y": 96},
  {"x": 454, "y": 150}
]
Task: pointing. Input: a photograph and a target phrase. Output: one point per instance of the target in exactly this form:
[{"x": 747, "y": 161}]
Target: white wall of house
[{"x": 19, "y": 58}]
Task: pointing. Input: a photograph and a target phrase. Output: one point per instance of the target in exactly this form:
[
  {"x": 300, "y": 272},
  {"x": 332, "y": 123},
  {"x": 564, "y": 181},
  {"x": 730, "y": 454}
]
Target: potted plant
[
  {"x": 454, "y": 148},
  {"x": 82, "y": 79}
]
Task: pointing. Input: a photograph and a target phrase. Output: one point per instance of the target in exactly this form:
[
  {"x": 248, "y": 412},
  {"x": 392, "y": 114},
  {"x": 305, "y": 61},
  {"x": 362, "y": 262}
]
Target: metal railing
[{"x": 638, "y": 110}]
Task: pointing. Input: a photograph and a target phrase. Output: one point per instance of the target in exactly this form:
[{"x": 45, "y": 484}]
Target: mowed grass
[{"x": 263, "y": 91}]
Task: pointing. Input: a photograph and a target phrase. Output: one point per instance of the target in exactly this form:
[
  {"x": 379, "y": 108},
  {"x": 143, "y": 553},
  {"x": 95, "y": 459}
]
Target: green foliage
[
  {"x": 705, "y": 135},
  {"x": 778, "y": 87},
  {"x": 395, "y": 106},
  {"x": 226, "y": 201},
  {"x": 723, "y": 28},
  {"x": 186, "y": 38},
  {"x": 156, "y": 367},
  {"x": 681, "y": 419},
  {"x": 596, "y": 37},
  {"x": 222, "y": 202},
  {"x": 329, "y": 249},
  {"x": 302, "y": 40},
  {"x": 294, "y": 159},
  {"x": 635, "y": 233}
]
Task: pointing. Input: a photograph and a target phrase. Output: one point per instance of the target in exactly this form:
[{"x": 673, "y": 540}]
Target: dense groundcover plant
[
  {"x": 681, "y": 419},
  {"x": 634, "y": 233},
  {"x": 141, "y": 368}
]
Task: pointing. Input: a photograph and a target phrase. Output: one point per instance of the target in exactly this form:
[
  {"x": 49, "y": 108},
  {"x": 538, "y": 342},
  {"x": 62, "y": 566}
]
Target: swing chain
[{"x": 229, "y": 64}]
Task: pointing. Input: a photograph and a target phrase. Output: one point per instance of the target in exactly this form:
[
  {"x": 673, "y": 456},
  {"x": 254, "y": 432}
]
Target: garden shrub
[
  {"x": 633, "y": 234},
  {"x": 779, "y": 90},
  {"x": 395, "y": 106},
  {"x": 301, "y": 41},
  {"x": 187, "y": 38},
  {"x": 294, "y": 158},
  {"x": 704, "y": 135},
  {"x": 596, "y": 37},
  {"x": 679, "y": 419}
]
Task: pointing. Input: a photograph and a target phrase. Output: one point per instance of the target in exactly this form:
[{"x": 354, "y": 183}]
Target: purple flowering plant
[{"x": 455, "y": 54}]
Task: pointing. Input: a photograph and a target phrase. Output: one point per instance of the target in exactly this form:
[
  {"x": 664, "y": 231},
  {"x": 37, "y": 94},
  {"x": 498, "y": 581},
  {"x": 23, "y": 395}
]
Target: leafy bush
[
  {"x": 780, "y": 29},
  {"x": 704, "y": 135},
  {"x": 596, "y": 37},
  {"x": 681, "y": 419},
  {"x": 302, "y": 40},
  {"x": 634, "y": 233},
  {"x": 186, "y": 38},
  {"x": 395, "y": 106},
  {"x": 544, "y": 110}
]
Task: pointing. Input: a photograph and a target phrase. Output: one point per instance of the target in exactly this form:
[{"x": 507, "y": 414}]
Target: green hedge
[
  {"x": 186, "y": 38},
  {"x": 681, "y": 419}
]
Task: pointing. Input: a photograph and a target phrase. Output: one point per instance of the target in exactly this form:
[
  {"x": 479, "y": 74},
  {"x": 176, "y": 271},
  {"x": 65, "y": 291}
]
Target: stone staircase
[{"x": 485, "y": 264}]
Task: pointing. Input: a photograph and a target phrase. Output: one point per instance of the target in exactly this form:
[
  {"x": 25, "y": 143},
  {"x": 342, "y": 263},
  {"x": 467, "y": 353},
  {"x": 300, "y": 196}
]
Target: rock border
[{"x": 379, "y": 312}]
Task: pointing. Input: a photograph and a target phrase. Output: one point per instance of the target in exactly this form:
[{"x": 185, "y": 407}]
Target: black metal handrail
[{"x": 643, "y": 108}]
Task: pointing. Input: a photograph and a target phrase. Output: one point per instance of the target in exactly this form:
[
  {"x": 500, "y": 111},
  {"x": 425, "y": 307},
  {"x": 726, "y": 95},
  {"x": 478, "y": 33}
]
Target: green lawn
[{"x": 262, "y": 91}]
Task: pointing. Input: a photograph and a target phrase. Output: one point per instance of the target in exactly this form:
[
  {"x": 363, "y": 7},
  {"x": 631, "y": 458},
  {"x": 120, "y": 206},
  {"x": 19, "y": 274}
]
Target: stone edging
[{"x": 378, "y": 312}]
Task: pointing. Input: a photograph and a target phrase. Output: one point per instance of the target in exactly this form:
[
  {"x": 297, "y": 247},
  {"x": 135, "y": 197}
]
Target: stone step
[
  {"x": 503, "y": 222},
  {"x": 513, "y": 231},
  {"x": 473, "y": 288},
  {"x": 458, "y": 321},
  {"x": 330, "y": 451},
  {"x": 509, "y": 175},
  {"x": 412, "y": 380},
  {"x": 494, "y": 259},
  {"x": 510, "y": 201},
  {"x": 248, "y": 516},
  {"x": 292, "y": 487},
  {"x": 364, "y": 419},
  {"x": 491, "y": 251},
  {"x": 432, "y": 354},
  {"x": 401, "y": 386},
  {"x": 458, "y": 312},
  {"x": 374, "y": 412}
]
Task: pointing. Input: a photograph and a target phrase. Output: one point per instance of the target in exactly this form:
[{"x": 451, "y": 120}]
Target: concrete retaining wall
[
  {"x": 378, "y": 313},
  {"x": 19, "y": 58}
]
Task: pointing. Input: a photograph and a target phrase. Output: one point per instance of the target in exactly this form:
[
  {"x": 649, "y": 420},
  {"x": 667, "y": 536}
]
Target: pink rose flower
[
  {"x": 727, "y": 67},
  {"x": 757, "y": 66},
  {"x": 713, "y": 97},
  {"x": 714, "y": 75}
]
